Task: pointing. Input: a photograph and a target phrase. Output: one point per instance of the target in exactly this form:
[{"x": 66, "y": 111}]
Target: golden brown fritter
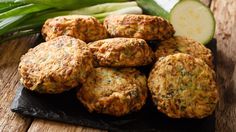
[
  {"x": 179, "y": 44},
  {"x": 121, "y": 52},
  {"x": 114, "y": 91},
  {"x": 138, "y": 26},
  {"x": 86, "y": 28},
  {"x": 56, "y": 65},
  {"x": 183, "y": 87}
]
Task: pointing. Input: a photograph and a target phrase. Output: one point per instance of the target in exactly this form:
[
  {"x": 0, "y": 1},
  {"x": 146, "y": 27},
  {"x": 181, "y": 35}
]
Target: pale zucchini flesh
[{"x": 192, "y": 19}]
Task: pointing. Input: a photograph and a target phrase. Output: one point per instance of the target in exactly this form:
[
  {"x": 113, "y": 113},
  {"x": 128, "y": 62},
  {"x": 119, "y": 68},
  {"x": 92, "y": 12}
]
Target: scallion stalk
[
  {"x": 8, "y": 6},
  {"x": 25, "y": 27},
  {"x": 25, "y": 9},
  {"x": 70, "y": 4},
  {"x": 19, "y": 34},
  {"x": 107, "y": 7},
  {"x": 11, "y": 22},
  {"x": 128, "y": 10},
  {"x": 101, "y": 10},
  {"x": 7, "y": 1}
]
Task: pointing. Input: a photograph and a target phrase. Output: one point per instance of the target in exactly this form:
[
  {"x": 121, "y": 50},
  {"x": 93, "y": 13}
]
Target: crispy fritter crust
[
  {"x": 114, "y": 91},
  {"x": 183, "y": 87},
  {"x": 86, "y": 28},
  {"x": 179, "y": 44},
  {"x": 56, "y": 65},
  {"x": 138, "y": 26},
  {"x": 121, "y": 52}
]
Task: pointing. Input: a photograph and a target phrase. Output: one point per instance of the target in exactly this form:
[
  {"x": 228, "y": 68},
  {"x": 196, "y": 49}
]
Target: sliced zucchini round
[{"x": 193, "y": 19}]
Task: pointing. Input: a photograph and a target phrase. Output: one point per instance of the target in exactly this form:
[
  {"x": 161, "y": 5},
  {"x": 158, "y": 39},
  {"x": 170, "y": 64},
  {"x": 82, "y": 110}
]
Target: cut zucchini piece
[{"x": 192, "y": 19}]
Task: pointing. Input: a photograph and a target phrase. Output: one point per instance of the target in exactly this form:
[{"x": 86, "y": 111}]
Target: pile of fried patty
[{"x": 105, "y": 71}]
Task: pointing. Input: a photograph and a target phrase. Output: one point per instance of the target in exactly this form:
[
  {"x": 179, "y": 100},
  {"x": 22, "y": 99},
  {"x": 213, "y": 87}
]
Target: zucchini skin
[{"x": 152, "y": 8}]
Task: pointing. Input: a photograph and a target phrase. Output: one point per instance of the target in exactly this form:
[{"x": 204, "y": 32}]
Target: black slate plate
[{"x": 66, "y": 108}]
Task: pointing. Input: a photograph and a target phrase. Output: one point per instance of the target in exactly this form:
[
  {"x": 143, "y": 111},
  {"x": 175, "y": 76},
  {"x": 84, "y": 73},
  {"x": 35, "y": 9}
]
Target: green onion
[
  {"x": 128, "y": 10},
  {"x": 25, "y": 27},
  {"x": 8, "y": 6},
  {"x": 107, "y": 7},
  {"x": 25, "y": 9},
  {"x": 98, "y": 11},
  {"x": 19, "y": 34},
  {"x": 69, "y": 4},
  {"x": 6, "y": 1},
  {"x": 11, "y": 22}
]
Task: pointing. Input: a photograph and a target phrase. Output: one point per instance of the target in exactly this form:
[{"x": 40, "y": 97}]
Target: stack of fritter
[{"x": 181, "y": 82}]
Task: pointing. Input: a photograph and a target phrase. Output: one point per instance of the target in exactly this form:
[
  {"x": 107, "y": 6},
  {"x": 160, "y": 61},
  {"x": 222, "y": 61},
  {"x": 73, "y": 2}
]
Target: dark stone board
[{"x": 66, "y": 108}]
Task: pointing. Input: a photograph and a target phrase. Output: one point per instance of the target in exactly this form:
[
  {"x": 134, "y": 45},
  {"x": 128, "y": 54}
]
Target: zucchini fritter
[
  {"x": 114, "y": 91},
  {"x": 56, "y": 65},
  {"x": 179, "y": 44},
  {"x": 138, "y": 26},
  {"x": 121, "y": 52},
  {"x": 86, "y": 28},
  {"x": 183, "y": 87}
]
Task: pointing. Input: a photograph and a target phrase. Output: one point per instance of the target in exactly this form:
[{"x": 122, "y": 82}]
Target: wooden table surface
[{"x": 225, "y": 15}]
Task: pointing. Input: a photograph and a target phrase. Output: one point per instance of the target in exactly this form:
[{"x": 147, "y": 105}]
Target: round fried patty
[
  {"x": 121, "y": 52},
  {"x": 183, "y": 86},
  {"x": 114, "y": 91},
  {"x": 86, "y": 28},
  {"x": 138, "y": 26},
  {"x": 56, "y": 65},
  {"x": 179, "y": 44}
]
